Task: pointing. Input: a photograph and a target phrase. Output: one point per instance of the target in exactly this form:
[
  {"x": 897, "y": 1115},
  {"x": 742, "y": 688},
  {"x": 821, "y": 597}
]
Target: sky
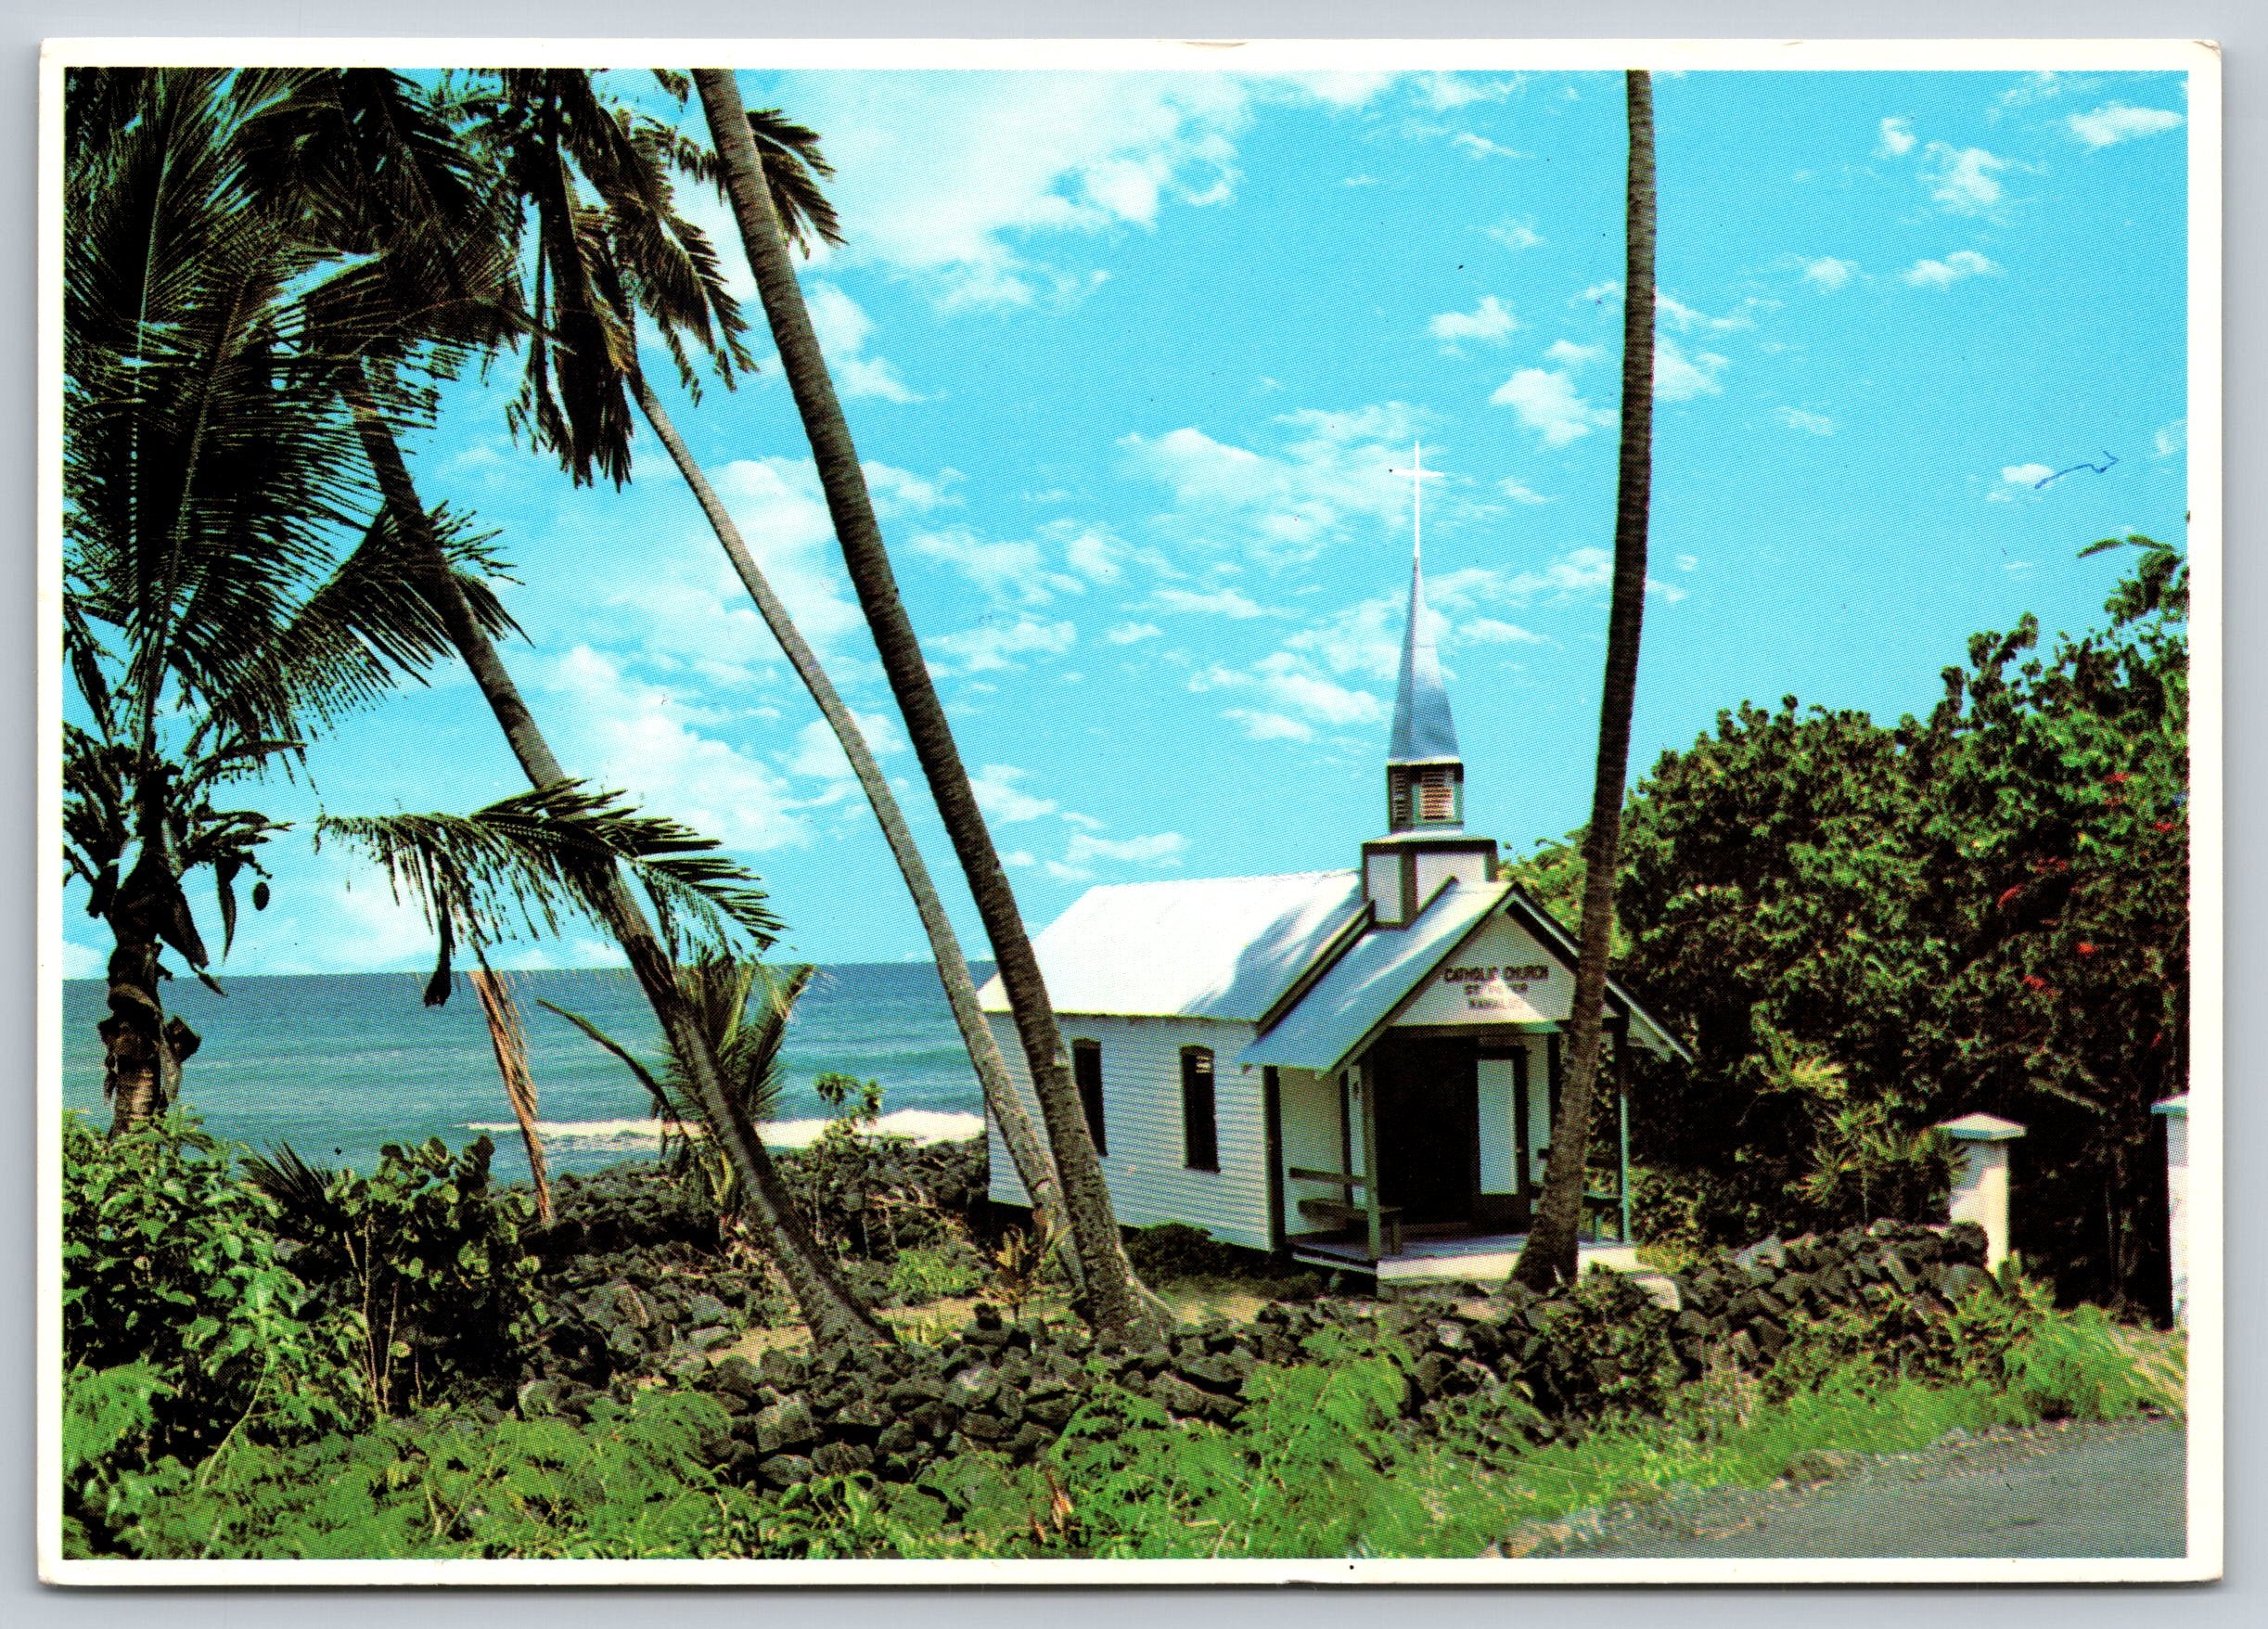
[{"x": 1135, "y": 364}]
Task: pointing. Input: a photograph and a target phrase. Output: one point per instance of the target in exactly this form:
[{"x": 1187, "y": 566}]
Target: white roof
[
  {"x": 1982, "y": 1128},
  {"x": 1222, "y": 947},
  {"x": 1375, "y": 977}
]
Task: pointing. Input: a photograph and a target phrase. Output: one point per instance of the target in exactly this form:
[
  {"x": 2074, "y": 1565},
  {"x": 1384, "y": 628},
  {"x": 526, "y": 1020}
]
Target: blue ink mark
[{"x": 2102, "y": 468}]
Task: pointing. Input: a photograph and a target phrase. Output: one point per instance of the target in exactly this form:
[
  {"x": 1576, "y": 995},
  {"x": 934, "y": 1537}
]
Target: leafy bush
[
  {"x": 1308, "y": 1470},
  {"x": 2076, "y": 1363},
  {"x": 918, "y": 1277},
  {"x": 171, "y": 1270},
  {"x": 424, "y": 1263},
  {"x": 631, "y": 1481}
]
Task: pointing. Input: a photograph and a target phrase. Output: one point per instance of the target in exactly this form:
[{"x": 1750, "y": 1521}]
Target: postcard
[{"x": 932, "y": 811}]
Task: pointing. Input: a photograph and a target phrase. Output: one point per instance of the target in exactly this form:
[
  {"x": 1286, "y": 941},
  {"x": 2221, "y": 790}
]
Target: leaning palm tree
[
  {"x": 227, "y": 593},
  {"x": 365, "y": 164},
  {"x": 1550, "y": 1255},
  {"x": 1114, "y": 1299},
  {"x": 631, "y": 257}
]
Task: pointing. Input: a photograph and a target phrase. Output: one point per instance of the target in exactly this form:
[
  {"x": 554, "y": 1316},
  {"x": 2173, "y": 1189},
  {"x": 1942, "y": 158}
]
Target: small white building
[{"x": 1358, "y": 1067}]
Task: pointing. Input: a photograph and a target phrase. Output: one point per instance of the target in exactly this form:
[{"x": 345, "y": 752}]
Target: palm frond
[
  {"x": 793, "y": 167},
  {"x": 306, "y": 1195},
  {"x": 529, "y": 862},
  {"x": 509, "y": 1039}
]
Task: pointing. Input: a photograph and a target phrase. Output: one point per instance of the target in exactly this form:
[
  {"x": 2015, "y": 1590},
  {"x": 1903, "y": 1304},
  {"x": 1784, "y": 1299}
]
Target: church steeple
[
  {"x": 1424, "y": 775},
  {"x": 1426, "y": 846}
]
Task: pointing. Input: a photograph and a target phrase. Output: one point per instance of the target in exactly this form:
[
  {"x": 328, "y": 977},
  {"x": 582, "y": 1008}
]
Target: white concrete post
[
  {"x": 2176, "y": 1113},
  {"x": 1981, "y": 1179}
]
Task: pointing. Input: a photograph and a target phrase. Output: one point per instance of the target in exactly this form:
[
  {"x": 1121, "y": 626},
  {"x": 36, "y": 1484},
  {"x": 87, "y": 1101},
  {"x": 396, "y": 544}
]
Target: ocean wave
[{"x": 918, "y": 1125}]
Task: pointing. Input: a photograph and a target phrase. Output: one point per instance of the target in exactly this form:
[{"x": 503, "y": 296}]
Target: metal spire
[{"x": 1423, "y": 732}]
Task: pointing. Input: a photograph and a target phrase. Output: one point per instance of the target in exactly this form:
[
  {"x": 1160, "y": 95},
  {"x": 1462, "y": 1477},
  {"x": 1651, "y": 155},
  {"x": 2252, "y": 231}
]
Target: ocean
[{"x": 339, "y": 1064}]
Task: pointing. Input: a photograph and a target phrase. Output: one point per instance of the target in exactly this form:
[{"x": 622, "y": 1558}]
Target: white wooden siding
[{"x": 1149, "y": 1181}]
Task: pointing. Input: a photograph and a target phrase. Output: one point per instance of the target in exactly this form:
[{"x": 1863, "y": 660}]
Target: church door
[{"x": 1429, "y": 1127}]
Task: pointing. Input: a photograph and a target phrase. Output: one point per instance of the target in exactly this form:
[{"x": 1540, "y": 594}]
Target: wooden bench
[{"x": 1340, "y": 1213}]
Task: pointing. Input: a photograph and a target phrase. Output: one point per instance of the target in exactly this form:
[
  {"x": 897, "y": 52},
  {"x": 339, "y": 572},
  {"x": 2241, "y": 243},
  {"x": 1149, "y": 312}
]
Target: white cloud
[
  {"x": 1442, "y": 92},
  {"x": 1668, "y": 593},
  {"x": 2114, "y": 122},
  {"x": 1688, "y": 562},
  {"x": 1515, "y": 234},
  {"x": 1941, "y": 274},
  {"x": 1896, "y": 139},
  {"x": 1828, "y": 273},
  {"x": 2170, "y": 439},
  {"x": 1009, "y": 570},
  {"x": 1547, "y": 402},
  {"x": 1292, "y": 685},
  {"x": 1679, "y": 377},
  {"x": 1481, "y": 146},
  {"x": 1685, "y": 319},
  {"x": 1519, "y": 492},
  {"x": 844, "y": 328},
  {"x": 1491, "y": 320},
  {"x": 2035, "y": 87},
  {"x": 1002, "y": 800},
  {"x": 1964, "y": 180},
  {"x": 1493, "y": 631},
  {"x": 1081, "y": 855},
  {"x": 1569, "y": 355},
  {"x": 1133, "y": 633},
  {"x": 1092, "y": 552},
  {"x": 820, "y": 756},
  {"x": 989, "y": 646},
  {"x": 2026, "y": 474},
  {"x": 1365, "y": 639},
  {"x": 1270, "y": 726},
  {"x": 1030, "y": 157},
  {"x": 646, "y": 738},
  {"x": 1220, "y": 602},
  {"x": 1810, "y": 423},
  {"x": 683, "y": 608},
  {"x": 1334, "y": 476},
  {"x": 1151, "y": 849}
]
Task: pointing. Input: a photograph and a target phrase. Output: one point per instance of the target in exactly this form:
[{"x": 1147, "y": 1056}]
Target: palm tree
[
  {"x": 744, "y": 1007},
  {"x": 632, "y": 255},
  {"x": 227, "y": 593},
  {"x": 1550, "y": 1255},
  {"x": 365, "y": 164},
  {"x": 1114, "y": 1299}
]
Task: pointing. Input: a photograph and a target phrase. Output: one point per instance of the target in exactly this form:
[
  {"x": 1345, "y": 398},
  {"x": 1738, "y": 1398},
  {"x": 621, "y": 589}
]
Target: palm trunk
[
  {"x": 1115, "y": 1300},
  {"x": 1550, "y": 1255},
  {"x": 837, "y": 1321},
  {"x": 142, "y": 1049},
  {"x": 1034, "y": 1164}
]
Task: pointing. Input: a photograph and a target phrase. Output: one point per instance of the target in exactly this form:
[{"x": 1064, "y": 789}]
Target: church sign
[{"x": 1500, "y": 975}]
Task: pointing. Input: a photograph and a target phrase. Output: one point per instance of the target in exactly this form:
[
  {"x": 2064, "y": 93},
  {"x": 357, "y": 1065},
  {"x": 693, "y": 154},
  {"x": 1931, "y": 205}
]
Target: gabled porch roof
[{"x": 1380, "y": 970}]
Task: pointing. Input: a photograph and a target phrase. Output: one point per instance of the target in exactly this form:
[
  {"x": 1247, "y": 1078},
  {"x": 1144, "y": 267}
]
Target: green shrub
[
  {"x": 170, "y": 1269},
  {"x": 2076, "y": 1363},
  {"x": 422, "y": 1259},
  {"x": 1308, "y": 1471},
  {"x": 919, "y": 1276},
  {"x": 631, "y": 1483}
]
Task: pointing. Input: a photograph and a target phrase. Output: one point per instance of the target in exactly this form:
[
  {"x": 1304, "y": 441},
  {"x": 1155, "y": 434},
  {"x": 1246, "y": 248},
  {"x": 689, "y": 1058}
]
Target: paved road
[{"x": 2100, "y": 1491}]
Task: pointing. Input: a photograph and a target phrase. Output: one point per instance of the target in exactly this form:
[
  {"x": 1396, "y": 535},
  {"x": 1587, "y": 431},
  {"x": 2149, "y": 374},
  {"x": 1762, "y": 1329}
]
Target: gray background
[{"x": 2233, "y": 22}]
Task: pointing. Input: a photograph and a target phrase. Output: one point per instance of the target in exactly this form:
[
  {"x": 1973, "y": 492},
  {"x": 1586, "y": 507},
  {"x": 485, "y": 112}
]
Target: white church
[{"x": 1358, "y": 1067}]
